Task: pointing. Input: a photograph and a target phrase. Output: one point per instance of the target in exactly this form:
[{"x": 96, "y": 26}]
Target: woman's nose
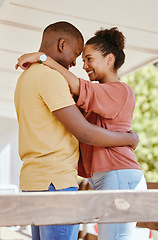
[{"x": 85, "y": 66}]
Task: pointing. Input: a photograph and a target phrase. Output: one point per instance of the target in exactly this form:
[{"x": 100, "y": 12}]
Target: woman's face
[{"x": 95, "y": 64}]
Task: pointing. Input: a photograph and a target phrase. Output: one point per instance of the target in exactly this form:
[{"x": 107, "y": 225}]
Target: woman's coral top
[{"x": 111, "y": 106}]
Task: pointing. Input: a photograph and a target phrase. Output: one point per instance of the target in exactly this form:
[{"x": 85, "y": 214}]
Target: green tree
[{"x": 145, "y": 122}]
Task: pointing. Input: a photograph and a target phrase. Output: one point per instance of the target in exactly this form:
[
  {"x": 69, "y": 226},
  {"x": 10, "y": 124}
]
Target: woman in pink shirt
[{"x": 108, "y": 103}]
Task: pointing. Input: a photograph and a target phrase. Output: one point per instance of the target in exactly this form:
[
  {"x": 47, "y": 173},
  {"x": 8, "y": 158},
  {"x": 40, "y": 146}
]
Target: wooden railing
[
  {"x": 84, "y": 185},
  {"x": 109, "y": 206},
  {"x": 151, "y": 225}
]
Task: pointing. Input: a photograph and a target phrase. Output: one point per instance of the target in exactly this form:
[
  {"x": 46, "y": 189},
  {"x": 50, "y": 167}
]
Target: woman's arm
[
  {"x": 25, "y": 61},
  {"x": 117, "y": 139}
]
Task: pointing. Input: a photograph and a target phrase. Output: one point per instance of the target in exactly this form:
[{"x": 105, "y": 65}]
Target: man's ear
[{"x": 61, "y": 44}]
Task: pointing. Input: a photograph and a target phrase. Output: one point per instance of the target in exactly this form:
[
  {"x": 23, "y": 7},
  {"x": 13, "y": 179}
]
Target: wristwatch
[{"x": 43, "y": 58}]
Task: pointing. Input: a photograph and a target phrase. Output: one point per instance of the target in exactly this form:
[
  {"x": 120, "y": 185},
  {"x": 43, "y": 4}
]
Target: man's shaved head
[
  {"x": 63, "y": 42},
  {"x": 65, "y": 28}
]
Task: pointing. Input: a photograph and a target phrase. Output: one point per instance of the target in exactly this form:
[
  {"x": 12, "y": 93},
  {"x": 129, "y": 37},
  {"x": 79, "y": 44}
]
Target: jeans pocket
[{"x": 133, "y": 184}]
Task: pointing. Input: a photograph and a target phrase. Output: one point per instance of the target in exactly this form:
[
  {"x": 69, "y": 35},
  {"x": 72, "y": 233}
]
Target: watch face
[{"x": 43, "y": 57}]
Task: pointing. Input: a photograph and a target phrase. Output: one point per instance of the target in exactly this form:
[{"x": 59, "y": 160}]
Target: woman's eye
[{"x": 89, "y": 59}]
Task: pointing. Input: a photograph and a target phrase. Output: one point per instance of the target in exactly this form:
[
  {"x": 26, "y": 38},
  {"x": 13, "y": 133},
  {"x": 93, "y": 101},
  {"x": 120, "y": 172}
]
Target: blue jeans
[
  {"x": 114, "y": 180},
  {"x": 56, "y": 232}
]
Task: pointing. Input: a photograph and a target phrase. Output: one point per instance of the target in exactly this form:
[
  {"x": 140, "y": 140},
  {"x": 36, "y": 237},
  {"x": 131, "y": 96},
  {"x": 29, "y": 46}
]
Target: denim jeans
[
  {"x": 114, "y": 180},
  {"x": 56, "y": 232}
]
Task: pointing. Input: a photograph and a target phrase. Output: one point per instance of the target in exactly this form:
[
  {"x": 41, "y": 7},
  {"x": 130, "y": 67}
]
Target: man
[{"x": 50, "y": 124}]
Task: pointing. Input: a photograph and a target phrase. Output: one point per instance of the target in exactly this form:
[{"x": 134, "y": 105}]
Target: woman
[{"x": 108, "y": 103}]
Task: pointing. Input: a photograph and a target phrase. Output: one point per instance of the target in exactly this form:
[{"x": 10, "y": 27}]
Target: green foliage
[{"x": 145, "y": 122}]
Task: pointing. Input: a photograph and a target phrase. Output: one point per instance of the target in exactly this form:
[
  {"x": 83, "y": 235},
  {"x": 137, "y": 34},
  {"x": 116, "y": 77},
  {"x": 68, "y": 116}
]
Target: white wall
[{"x": 10, "y": 162}]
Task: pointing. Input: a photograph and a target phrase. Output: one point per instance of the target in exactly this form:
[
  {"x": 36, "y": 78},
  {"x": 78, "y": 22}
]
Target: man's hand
[
  {"x": 91, "y": 134},
  {"x": 135, "y": 139}
]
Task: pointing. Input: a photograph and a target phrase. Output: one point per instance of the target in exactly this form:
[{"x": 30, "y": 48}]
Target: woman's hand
[{"x": 25, "y": 60}]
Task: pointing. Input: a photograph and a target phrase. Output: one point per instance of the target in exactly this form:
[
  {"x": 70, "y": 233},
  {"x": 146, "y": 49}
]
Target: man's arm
[
  {"x": 73, "y": 120},
  {"x": 91, "y": 134}
]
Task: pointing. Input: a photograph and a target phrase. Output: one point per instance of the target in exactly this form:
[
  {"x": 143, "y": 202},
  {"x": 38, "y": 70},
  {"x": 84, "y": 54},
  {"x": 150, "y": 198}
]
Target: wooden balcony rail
[
  {"x": 78, "y": 207},
  {"x": 150, "y": 225}
]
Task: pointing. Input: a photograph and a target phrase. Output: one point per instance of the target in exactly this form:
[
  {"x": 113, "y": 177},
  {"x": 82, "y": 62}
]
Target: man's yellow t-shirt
[{"x": 48, "y": 150}]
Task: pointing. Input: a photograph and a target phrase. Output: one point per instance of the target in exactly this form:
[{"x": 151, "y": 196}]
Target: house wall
[{"x": 10, "y": 162}]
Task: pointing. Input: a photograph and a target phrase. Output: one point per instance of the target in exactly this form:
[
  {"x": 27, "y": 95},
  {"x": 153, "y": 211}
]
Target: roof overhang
[{"x": 22, "y": 23}]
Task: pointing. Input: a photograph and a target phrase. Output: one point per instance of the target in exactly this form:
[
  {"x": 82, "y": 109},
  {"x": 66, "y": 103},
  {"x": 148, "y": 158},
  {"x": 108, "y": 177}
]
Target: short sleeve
[
  {"x": 105, "y": 99},
  {"x": 53, "y": 89}
]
